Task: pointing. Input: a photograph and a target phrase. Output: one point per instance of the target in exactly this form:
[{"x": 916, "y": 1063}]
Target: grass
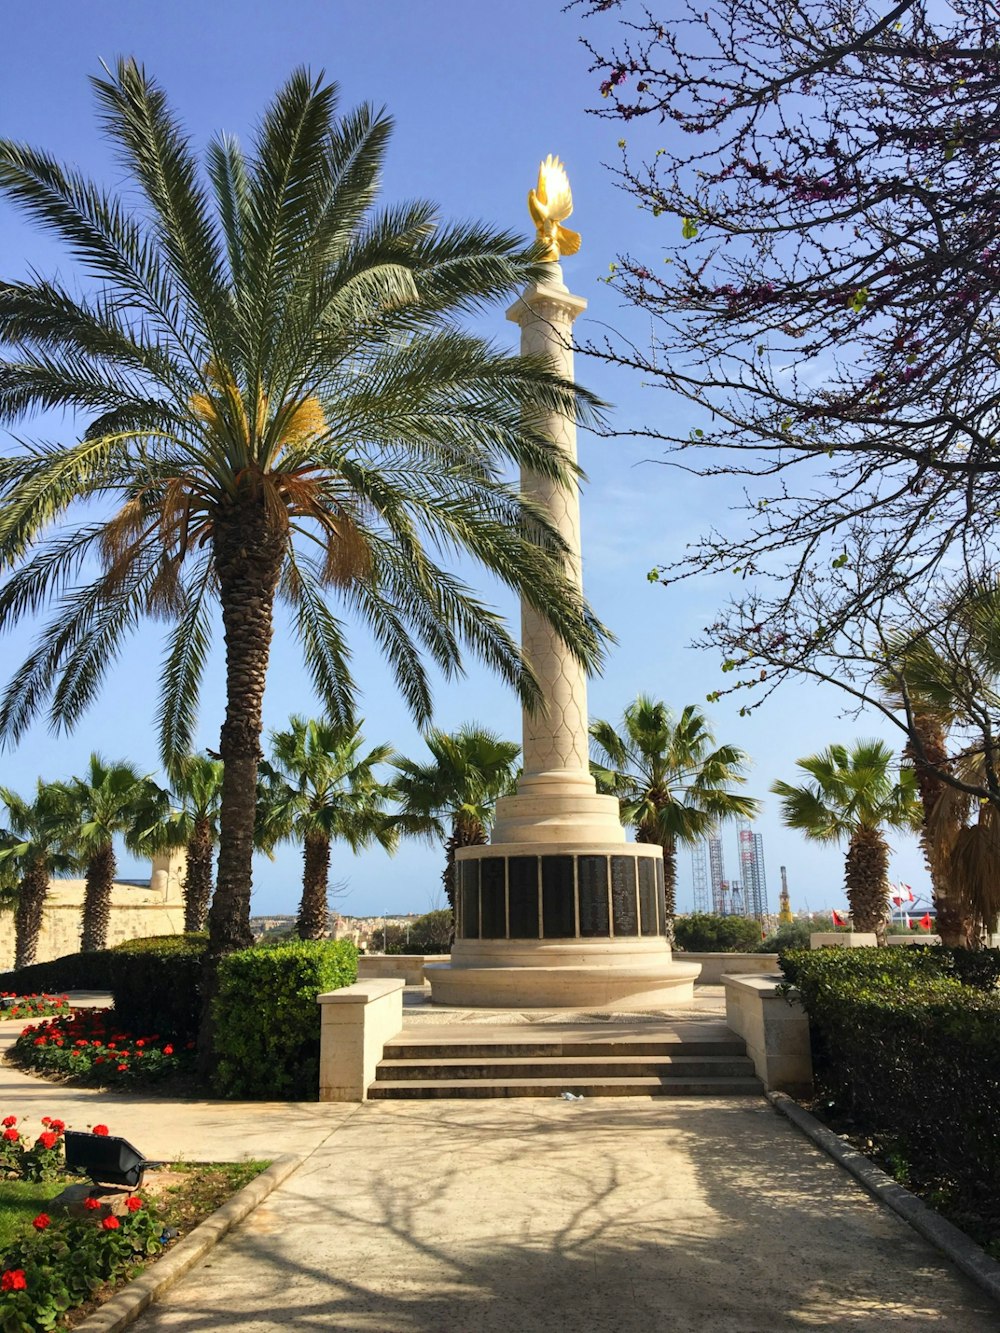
[
  {"x": 190, "y": 1192},
  {"x": 20, "y": 1201}
]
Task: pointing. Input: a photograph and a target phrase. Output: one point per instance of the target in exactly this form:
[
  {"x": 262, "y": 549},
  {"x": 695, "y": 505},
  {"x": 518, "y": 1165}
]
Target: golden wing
[
  {"x": 537, "y": 209},
  {"x": 568, "y": 241},
  {"x": 553, "y": 189}
]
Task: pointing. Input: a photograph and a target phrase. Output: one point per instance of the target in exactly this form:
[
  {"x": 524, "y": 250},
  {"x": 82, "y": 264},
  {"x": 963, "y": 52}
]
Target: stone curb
[
  {"x": 129, "y": 1304},
  {"x": 955, "y": 1244}
]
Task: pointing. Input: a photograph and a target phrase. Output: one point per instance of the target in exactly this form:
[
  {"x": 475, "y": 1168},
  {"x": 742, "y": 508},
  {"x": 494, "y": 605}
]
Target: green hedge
[
  {"x": 267, "y": 1020},
  {"x": 705, "y": 932},
  {"x": 907, "y": 1049},
  {"x": 74, "y": 971},
  {"x": 155, "y": 982}
]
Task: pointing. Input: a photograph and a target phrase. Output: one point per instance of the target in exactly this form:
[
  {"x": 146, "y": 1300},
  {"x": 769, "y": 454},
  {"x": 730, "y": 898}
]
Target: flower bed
[
  {"x": 13, "y": 1005},
  {"x": 88, "y": 1046},
  {"x": 60, "y": 1264},
  {"x": 63, "y": 1259}
]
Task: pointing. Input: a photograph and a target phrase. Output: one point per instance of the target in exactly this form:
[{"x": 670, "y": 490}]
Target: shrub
[
  {"x": 902, "y": 1045},
  {"x": 74, "y": 971},
  {"x": 267, "y": 1020},
  {"x": 704, "y": 932},
  {"x": 156, "y": 984},
  {"x": 795, "y": 934}
]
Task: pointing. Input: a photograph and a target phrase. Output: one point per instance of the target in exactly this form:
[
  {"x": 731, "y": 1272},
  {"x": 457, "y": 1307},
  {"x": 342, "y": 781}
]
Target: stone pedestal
[{"x": 559, "y": 910}]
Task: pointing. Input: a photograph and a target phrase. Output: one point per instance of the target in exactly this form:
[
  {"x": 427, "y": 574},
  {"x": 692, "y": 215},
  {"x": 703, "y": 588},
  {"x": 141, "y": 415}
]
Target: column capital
[{"x": 550, "y": 299}]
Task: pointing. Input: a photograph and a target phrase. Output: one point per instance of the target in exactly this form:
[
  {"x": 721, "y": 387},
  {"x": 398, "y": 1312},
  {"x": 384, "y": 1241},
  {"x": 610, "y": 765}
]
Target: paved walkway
[{"x": 605, "y": 1216}]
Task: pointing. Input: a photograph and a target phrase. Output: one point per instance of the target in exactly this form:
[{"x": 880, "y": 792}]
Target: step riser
[
  {"x": 575, "y": 1050},
  {"x": 391, "y": 1071},
  {"x": 670, "y": 1088}
]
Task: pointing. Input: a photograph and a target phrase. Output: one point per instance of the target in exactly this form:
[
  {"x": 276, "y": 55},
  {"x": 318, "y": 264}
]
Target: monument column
[{"x": 559, "y": 910}]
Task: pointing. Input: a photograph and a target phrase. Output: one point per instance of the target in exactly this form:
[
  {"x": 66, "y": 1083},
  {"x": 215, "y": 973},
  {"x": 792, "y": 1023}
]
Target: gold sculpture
[{"x": 549, "y": 205}]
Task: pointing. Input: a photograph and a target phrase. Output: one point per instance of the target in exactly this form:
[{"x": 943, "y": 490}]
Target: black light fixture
[{"x": 106, "y": 1159}]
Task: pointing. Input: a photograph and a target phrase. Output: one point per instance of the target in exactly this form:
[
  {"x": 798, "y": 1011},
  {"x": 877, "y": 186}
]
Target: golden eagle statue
[{"x": 549, "y": 205}]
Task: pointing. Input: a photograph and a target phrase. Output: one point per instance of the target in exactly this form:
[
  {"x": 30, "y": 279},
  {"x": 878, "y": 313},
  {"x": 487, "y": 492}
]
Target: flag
[
  {"x": 905, "y": 888},
  {"x": 838, "y": 920},
  {"x": 926, "y": 921},
  {"x": 898, "y": 900},
  {"x": 909, "y": 923}
]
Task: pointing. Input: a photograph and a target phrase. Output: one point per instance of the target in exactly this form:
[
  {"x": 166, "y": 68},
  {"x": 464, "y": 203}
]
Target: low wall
[
  {"x": 356, "y": 1022},
  {"x": 714, "y": 966},
  {"x": 842, "y": 939},
  {"x": 922, "y": 938},
  {"x": 775, "y": 1029},
  {"x": 409, "y": 966}
]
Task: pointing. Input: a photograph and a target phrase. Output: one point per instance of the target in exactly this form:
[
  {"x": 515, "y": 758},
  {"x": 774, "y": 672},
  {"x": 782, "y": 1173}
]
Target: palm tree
[
  {"x": 947, "y": 679},
  {"x": 192, "y": 822},
  {"x": 111, "y": 800},
  {"x": 33, "y": 848},
  {"x": 454, "y": 795},
  {"x": 855, "y": 795},
  {"x": 275, "y": 399},
  {"x": 674, "y": 785},
  {"x": 320, "y": 788}
]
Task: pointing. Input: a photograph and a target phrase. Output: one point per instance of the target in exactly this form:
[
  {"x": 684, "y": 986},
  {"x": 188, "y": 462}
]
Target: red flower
[
  {"x": 99, "y": 1129},
  {"x": 9, "y": 1120},
  {"x": 99, "y": 1060},
  {"x": 48, "y": 1140},
  {"x": 57, "y": 1125},
  {"x": 123, "y": 1069},
  {"x": 133, "y": 1203},
  {"x": 46, "y": 1120},
  {"x": 41, "y": 1221},
  {"x": 13, "y": 1280},
  {"x": 168, "y": 1050},
  {"x": 90, "y": 1204},
  {"x": 140, "y": 1044},
  {"x": 11, "y": 1135},
  {"x": 110, "y": 1224}
]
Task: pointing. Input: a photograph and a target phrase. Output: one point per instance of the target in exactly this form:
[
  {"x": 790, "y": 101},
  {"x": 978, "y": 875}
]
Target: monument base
[{"x": 562, "y": 974}]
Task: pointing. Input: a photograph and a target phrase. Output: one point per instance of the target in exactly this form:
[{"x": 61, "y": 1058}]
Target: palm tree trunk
[
  {"x": 248, "y": 555},
  {"x": 248, "y": 550},
  {"x": 865, "y": 878},
  {"x": 953, "y": 921},
  {"x": 314, "y": 910},
  {"x": 97, "y": 898},
  {"x": 198, "y": 875},
  {"x": 29, "y": 911}
]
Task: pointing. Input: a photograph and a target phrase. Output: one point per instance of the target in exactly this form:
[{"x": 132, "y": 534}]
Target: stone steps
[{"x": 535, "y": 1065}]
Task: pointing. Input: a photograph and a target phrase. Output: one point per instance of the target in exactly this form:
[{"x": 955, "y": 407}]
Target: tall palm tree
[
  {"x": 33, "y": 847},
  {"x": 453, "y": 796},
  {"x": 320, "y": 788},
  {"x": 855, "y": 795},
  {"x": 947, "y": 680},
  {"x": 275, "y": 400},
  {"x": 191, "y": 821},
  {"x": 112, "y": 799},
  {"x": 674, "y": 785}
]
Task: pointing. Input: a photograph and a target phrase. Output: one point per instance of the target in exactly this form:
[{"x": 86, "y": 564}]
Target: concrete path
[{"x": 607, "y": 1216}]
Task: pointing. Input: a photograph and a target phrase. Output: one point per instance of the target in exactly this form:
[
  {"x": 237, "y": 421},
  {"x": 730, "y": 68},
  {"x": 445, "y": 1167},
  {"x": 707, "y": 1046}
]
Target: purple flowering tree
[{"x": 827, "y": 299}]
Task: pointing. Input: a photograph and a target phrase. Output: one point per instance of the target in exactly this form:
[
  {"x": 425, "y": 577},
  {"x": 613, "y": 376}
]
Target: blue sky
[{"x": 479, "y": 94}]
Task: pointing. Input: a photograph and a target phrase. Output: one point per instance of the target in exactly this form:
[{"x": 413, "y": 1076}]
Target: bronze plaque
[
  {"x": 623, "y": 903},
  {"x": 494, "y": 898},
  {"x": 470, "y": 900},
  {"x": 558, "y": 905},
  {"x": 592, "y": 881},
  {"x": 522, "y": 897},
  {"x": 647, "y": 895}
]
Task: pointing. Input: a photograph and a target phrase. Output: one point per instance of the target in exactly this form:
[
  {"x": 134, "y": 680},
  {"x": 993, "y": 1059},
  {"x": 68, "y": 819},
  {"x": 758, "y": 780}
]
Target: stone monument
[{"x": 558, "y": 910}]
